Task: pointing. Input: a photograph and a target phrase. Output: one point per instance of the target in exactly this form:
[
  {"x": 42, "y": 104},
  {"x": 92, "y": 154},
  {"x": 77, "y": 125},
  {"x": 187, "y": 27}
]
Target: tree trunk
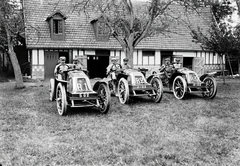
[
  {"x": 129, "y": 54},
  {"x": 223, "y": 71},
  {"x": 230, "y": 66},
  {"x": 238, "y": 66},
  {"x": 14, "y": 60},
  {"x": 129, "y": 49}
]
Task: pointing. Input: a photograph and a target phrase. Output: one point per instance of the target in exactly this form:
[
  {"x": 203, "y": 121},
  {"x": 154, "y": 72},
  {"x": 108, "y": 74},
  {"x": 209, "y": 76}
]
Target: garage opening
[
  {"x": 98, "y": 63},
  {"x": 165, "y": 55},
  {"x": 188, "y": 62},
  {"x": 65, "y": 54}
]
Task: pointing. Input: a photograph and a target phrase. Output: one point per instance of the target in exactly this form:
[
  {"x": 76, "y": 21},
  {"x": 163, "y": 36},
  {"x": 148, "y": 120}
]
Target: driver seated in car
[
  {"x": 112, "y": 68},
  {"x": 168, "y": 67},
  {"x": 77, "y": 64},
  {"x": 60, "y": 68}
]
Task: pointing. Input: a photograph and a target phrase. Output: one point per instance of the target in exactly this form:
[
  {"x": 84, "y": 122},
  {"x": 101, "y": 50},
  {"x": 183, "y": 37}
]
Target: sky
[{"x": 235, "y": 17}]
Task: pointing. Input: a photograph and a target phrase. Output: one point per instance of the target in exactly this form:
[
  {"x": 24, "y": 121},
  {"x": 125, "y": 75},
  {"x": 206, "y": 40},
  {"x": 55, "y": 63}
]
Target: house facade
[{"x": 57, "y": 30}]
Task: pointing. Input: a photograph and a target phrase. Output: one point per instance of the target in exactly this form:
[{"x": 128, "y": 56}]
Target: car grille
[{"x": 193, "y": 77}]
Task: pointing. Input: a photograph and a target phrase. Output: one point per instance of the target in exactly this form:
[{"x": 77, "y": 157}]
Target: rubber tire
[
  {"x": 106, "y": 107},
  {"x": 214, "y": 91},
  {"x": 158, "y": 98},
  {"x": 123, "y": 82},
  {"x": 184, "y": 87},
  {"x": 62, "y": 110},
  {"x": 52, "y": 90}
]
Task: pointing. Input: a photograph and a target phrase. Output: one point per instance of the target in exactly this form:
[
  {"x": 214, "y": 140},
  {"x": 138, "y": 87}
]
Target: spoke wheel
[
  {"x": 211, "y": 86},
  {"x": 52, "y": 92},
  {"x": 104, "y": 98},
  {"x": 158, "y": 89},
  {"x": 123, "y": 91},
  {"x": 61, "y": 99},
  {"x": 179, "y": 87}
]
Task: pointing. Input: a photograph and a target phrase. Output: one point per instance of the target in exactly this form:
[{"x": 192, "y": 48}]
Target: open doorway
[
  {"x": 97, "y": 66},
  {"x": 165, "y": 55},
  {"x": 188, "y": 62},
  {"x": 65, "y": 54}
]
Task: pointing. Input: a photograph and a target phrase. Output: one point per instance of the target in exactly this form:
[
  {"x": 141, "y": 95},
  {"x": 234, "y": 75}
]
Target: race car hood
[
  {"x": 185, "y": 71},
  {"x": 190, "y": 75},
  {"x": 77, "y": 74},
  {"x": 135, "y": 76}
]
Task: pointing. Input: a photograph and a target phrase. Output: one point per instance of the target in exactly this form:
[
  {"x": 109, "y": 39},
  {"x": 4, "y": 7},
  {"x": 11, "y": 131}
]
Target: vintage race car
[
  {"x": 132, "y": 83},
  {"x": 184, "y": 80},
  {"x": 76, "y": 91}
]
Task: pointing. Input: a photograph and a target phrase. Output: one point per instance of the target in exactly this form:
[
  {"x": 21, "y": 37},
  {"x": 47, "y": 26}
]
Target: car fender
[
  {"x": 207, "y": 75},
  {"x": 149, "y": 79},
  {"x": 103, "y": 81}
]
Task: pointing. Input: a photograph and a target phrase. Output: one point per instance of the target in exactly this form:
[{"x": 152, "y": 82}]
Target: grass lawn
[{"x": 194, "y": 131}]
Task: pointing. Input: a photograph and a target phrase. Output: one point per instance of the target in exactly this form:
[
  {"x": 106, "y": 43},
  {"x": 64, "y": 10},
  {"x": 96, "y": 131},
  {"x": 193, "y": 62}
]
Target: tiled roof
[{"x": 80, "y": 34}]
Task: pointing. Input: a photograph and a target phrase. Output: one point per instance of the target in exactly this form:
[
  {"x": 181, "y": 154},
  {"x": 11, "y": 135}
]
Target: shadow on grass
[
  {"x": 90, "y": 111},
  {"x": 188, "y": 96}
]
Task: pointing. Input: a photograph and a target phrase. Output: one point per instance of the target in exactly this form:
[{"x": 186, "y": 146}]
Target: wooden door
[
  {"x": 198, "y": 65},
  {"x": 50, "y": 61}
]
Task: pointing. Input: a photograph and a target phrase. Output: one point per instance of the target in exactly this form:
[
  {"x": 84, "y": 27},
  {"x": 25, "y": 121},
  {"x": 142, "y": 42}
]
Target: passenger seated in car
[
  {"x": 60, "y": 68},
  {"x": 177, "y": 64},
  {"x": 77, "y": 64},
  {"x": 125, "y": 64},
  {"x": 112, "y": 68}
]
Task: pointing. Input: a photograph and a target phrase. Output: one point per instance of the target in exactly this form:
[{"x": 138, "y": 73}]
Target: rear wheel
[
  {"x": 158, "y": 89},
  {"x": 123, "y": 91},
  {"x": 179, "y": 87},
  {"x": 52, "y": 92},
  {"x": 104, "y": 98},
  {"x": 61, "y": 99},
  {"x": 211, "y": 86}
]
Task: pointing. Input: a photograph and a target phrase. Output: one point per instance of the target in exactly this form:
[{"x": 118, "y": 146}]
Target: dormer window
[
  {"x": 57, "y": 25},
  {"x": 101, "y": 30}
]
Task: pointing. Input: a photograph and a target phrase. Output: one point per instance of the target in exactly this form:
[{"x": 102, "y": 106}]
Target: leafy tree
[
  {"x": 221, "y": 10},
  {"x": 220, "y": 38},
  {"x": 11, "y": 20},
  {"x": 131, "y": 22}
]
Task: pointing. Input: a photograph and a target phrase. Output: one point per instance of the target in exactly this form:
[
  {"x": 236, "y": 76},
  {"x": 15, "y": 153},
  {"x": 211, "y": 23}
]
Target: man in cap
[
  {"x": 113, "y": 67},
  {"x": 60, "y": 68},
  {"x": 166, "y": 64},
  {"x": 177, "y": 64},
  {"x": 111, "y": 72},
  {"x": 77, "y": 64},
  {"x": 167, "y": 67},
  {"x": 125, "y": 64}
]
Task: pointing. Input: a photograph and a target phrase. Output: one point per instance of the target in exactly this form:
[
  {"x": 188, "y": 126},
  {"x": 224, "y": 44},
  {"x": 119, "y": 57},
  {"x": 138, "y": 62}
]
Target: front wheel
[
  {"x": 61, "y": 99},
  {"x": 179, "y": 87},
  {"x": 211, "y": 86},
  {"x": 104, "y": 98},
  {"x": 123, "y": 91},
  {"x": 158, "y": 89}
]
